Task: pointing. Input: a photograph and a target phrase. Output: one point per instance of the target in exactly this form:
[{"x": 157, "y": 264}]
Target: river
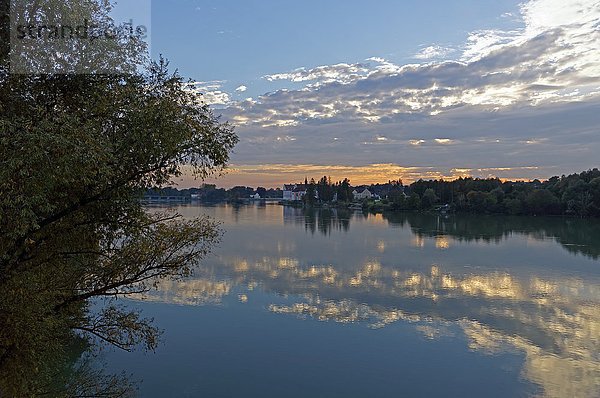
[{"x": 334, "y": 303}]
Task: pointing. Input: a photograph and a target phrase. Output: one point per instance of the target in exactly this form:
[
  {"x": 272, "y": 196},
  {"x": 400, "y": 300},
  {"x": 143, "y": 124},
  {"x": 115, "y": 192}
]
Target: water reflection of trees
[{"x": 579, "y": 236}]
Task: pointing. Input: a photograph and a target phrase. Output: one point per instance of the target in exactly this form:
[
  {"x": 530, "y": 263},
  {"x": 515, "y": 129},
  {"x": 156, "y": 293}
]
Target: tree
[
  {"x": 76, "y": 152},
  {"x": 542, "y": 201},
  {"x": 262, "y": 192},
  {"x": 578, "y": 197},
  {"x": 429, "y": 198},
  {"x": 498, "y": 194},
  {"x": 344, "y": 191},
  {"x": 398, "y": 199},
  {"x": 595, "y": 192},
  {"x": 482, "y": 201},
  {"x": 239, "y": 192},
  {"x": 311, "y": 192},
  {"x": 414, "y": 201},
  {"x": 513, "y": 206},
  {"x": 325, "y": 189}
]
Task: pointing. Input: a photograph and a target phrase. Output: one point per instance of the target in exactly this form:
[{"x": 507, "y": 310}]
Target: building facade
[
  {"x": 366, "y": 194},
  {"x": 294, "y": 192}
]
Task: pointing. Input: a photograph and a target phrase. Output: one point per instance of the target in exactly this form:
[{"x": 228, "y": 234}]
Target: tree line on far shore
[{"x": 576, "y": 194}]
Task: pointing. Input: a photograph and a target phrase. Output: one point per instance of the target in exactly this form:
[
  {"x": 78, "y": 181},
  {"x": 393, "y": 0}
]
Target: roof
[{"x": 294, "y": 187}]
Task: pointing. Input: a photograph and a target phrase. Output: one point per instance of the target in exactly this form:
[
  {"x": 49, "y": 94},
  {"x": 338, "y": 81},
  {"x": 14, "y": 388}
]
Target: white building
[
  {"x": 366, "y": 194},
  {"x": 294, "y": 191}
]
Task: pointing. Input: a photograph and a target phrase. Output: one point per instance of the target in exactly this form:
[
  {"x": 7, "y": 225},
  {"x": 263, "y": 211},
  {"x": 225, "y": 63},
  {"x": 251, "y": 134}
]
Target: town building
[
  {"x": 366, "y": 194},
  {"x": 294, "y": 191}
]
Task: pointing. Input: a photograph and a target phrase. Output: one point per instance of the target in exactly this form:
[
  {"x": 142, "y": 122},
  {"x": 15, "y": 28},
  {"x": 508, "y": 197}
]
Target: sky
[{"x": 383, "y": 90}]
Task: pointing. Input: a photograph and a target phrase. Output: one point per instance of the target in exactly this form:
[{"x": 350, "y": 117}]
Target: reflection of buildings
[
  {"x": 323, "y": 220},
  {"x": 292, "y": 215}
]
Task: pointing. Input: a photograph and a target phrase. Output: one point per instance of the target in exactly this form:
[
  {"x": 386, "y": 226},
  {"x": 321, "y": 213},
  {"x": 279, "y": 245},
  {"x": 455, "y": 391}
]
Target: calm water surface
[{"x": 330, "y": 303}]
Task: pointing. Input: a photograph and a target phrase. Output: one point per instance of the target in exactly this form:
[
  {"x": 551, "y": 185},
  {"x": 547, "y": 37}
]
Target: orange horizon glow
[{"x": 275, "y": 175}]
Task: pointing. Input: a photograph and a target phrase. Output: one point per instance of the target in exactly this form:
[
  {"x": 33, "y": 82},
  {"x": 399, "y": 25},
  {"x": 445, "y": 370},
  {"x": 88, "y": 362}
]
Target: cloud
[
  {"x": 552, "y": 59},
  {"x": 241, "y": 89},
  {"x": 528, "y": 96},
  {"x": 341, "y": 73},
  {"x": 433, "y": 52},
  {"x": 211, "y": 92},
  {"x": 543, "y": 15},
  {"x": 563, "y": 138},
  {"x": 286, "y": 138},
  {"x": 483, "y": 42}
]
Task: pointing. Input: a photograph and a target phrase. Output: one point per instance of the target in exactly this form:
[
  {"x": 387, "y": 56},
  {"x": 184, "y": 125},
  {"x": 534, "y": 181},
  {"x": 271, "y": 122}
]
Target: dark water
[{"x": 341, "y": 304}]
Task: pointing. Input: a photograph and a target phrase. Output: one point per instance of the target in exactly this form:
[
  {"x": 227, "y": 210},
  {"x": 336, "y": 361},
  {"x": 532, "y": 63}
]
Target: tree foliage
[
  {"x": 576, "y": 194},
  {"x": 76, "y": 152}
]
